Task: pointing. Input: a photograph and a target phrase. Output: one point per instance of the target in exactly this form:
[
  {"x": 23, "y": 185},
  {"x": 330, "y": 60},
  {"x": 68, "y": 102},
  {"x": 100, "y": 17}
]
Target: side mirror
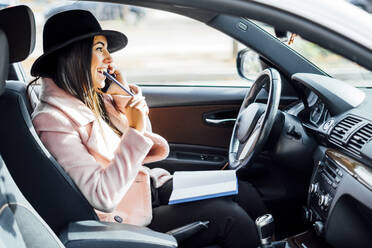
[{"x": 248, "y": 64}]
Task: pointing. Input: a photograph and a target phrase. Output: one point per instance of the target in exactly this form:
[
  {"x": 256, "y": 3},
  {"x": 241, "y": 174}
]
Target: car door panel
[
  {"x": 186, "y": 124},
  {"x": 194, "y": 144},
  {"x": 171, "y": 96},
  {"x": 192, "y": 157},
  {"x": 167, "y": 96},
  {"x": 197, "y": 122}
]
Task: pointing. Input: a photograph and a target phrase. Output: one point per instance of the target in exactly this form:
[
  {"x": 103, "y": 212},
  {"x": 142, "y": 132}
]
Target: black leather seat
[
  {"x": 36, "y": 172},
  {"x": 20, "y": 224}
]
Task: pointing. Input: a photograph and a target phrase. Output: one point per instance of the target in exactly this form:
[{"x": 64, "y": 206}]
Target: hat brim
[{"x": 115, "y": 41}]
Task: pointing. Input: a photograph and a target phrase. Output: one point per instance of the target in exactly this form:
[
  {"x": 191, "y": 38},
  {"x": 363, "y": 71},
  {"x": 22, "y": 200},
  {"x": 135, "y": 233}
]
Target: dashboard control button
[
  {"x": 242, "y": 26},
  {"x": 334, "y": 185},
  {"x": 328, "y": 124},
  {"x": 307, "y": 215},
  {"x": 327, "y": 200},
  {"x": 339, "y": 172},
  {"x": 314, "y": 187},
  {"x": 319, "y": 228},
  {"x": 324, "y": 200},
  {"x": 321, "y": 200}
]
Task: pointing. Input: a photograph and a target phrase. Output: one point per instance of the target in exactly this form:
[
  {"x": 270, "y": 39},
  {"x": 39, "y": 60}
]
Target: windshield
[{"x": 333, "y": 64}]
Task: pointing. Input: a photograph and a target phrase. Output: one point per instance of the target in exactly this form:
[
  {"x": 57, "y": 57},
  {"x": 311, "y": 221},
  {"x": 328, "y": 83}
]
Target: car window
[{"x": 163, "y": 48}]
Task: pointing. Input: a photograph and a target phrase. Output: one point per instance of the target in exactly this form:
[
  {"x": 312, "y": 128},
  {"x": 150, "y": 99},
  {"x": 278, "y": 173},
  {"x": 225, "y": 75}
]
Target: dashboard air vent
[
  {"x": 342, "y": 129},
  {"x": 359, "y": 139}
]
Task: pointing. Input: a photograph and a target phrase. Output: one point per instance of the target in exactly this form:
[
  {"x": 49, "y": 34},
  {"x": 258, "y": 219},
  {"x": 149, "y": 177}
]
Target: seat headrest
[
  {"x": 18, "y": 23},
  {"x": 4, "y": 60}
]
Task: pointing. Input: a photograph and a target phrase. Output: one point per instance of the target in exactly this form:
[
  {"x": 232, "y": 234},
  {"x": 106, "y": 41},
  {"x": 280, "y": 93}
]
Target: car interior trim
[
  {"x": 285, "y": 60},
  {"x": 337, "y": 95},
  {"x": 192, "y": 157},
  {"x": 359, "y": 171},
  {"x": 158, "y": 97},
  {"x": 15, "y": 205},
  {"x": 3, "y": 207},
  {"x": 91, "y": 233},
  {"x": 4, "y": 61},
  {"x": 23, "y": 216},
  {"x": 188, "y": 119},
  {"x": 18, "y": 71}
]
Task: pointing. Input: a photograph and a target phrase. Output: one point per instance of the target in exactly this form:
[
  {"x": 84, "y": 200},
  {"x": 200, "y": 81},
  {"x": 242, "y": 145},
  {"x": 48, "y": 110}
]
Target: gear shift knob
[{"x": 265, "y": 228}]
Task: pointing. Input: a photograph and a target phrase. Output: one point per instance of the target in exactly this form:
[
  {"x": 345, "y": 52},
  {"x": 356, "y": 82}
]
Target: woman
[{"x": 99, "y": 136}]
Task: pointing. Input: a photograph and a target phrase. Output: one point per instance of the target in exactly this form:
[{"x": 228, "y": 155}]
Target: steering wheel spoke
[{"x": 248, "y": 145}]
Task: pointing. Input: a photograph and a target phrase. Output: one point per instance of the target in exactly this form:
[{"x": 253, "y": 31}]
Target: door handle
[
  {"x": 224, "y": 118},
  {"x": 219, "y": 121}
]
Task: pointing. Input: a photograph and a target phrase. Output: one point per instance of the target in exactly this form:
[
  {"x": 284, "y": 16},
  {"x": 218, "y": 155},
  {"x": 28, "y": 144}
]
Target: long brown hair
[{"x": 72, "y": 73}]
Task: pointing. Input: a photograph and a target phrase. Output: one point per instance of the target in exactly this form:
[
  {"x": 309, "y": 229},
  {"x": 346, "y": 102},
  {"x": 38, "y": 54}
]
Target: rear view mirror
[{"x": 281, "y": 34}]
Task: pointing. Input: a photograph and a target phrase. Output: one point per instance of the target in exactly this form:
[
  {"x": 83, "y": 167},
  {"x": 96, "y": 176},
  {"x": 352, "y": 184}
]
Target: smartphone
[{"x": 110, "y": 77}]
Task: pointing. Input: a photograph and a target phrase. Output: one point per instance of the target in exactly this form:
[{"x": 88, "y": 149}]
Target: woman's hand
[
  {"x": 114, "y": 89},
  {"x": 136, "y": 112}
]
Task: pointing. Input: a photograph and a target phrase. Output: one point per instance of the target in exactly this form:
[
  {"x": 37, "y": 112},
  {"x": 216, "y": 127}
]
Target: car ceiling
[{"x": 349, "y": 41}]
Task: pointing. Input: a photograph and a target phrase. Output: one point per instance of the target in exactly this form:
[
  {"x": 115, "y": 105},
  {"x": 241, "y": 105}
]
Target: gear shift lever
[{"x": 265, "y": 228}]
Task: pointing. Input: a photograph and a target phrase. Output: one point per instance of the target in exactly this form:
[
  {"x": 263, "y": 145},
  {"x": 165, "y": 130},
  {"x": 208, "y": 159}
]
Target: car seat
[
  {"x": 41, "y": 179},
  {"x": 21, "y": 226}
]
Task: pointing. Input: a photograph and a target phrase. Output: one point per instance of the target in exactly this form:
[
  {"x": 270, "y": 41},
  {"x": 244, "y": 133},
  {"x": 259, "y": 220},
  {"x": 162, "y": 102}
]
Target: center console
[
  {"x": 326, "y": 179},
  {"x": 339, "y": 203}
]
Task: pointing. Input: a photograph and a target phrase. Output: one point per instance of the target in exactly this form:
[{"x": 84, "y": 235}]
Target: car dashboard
[{"x": 339, "y": 202}]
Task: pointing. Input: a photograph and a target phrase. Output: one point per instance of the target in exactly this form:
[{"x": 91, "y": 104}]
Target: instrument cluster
[{"x": 318, "y": 113}]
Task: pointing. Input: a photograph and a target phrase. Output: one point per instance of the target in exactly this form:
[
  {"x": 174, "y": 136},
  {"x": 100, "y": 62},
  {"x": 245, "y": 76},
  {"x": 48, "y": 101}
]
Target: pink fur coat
[{"x": 108, "y": 169}]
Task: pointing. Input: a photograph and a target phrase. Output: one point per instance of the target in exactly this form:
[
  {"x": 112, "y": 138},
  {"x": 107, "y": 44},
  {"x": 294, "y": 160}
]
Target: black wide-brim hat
[{"x": 66, "y": 28}]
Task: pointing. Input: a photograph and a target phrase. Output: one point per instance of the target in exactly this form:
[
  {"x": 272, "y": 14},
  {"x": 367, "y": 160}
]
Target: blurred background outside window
[
  {"x": 163, "y": 48},
  {"x": 169, "y": 49}
]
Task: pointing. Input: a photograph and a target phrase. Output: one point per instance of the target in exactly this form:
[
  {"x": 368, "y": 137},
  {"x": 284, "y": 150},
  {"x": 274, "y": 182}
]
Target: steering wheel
[{"x": 255, "y": 120}]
